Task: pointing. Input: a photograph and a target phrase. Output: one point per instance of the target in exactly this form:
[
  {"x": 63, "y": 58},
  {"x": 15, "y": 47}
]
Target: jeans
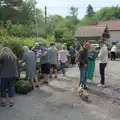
[
  {"x": 102, "y": 67},
  {"x": 83, "y": 76},
  {"x": 62, "y": 67},
  {"x": 113, "y": 55},
  {"x": 7, "y": 83}
]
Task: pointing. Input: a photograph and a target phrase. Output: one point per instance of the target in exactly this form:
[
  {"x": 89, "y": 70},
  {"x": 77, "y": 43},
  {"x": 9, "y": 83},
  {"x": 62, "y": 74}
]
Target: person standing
[
  {"x": 83, "y": 65},
  {"x": 103, "y": 59},
  {"x": 91, "y": 62},
  {"x": 53, "y": 59},
  {"x": 30, "y": 59},
  {"x": 113, "y": 52},
  {"x": 44, "y": 62},
  {"x": 73, "y": 54},
  {"x": 8, "y": 74},
  {"x": 63, "y": 58}
]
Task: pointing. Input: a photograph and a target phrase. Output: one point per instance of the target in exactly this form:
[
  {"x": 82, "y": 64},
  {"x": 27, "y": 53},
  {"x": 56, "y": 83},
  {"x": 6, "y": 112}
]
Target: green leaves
[
  {"x": 108, "y": 13},
  {"x": 23, "y": 87},
  {"x": 90, "y": 12}
]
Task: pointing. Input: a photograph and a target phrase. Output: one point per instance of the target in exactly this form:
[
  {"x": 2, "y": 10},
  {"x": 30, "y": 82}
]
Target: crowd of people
[{"x": 47, "y": 59}]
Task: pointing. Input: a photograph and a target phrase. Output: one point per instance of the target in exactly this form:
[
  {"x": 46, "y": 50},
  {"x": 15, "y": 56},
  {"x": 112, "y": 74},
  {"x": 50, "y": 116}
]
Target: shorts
[
  {"x": 54, "y": 66},
  {"x": 45, "y": 68}
]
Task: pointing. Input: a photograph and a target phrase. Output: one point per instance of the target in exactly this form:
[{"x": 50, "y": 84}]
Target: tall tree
[
  {"x": 90, "y": 12},
  {"x": 74, "y": 11},
  {"x": 108, "y": 13},
  {"x": 28, "y": 11},
  {"x": 9, "y": 10},
  {"x": 73, "y": 17},
  {"x": 11, "y": 3}
]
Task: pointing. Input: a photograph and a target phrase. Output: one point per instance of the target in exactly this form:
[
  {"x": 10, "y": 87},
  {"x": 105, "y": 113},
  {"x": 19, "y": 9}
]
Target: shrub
[
  {"x": 23, "y": 87},
  {"x": 59, "y": 46},
  {"x": 14, "y": 44},
  {"x": 17, "y": 43}
]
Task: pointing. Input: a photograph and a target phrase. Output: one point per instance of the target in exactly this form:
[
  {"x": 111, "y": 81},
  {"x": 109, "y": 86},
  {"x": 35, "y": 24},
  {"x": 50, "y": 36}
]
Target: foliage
[
  {"x": 10, "y": 3},
  {"x": 59, "y": 46},
  {"x": 9, "y": 14},
  {"x": 74, "y": 11},
  {"x": 89, "y": 21},
  {"x": 28, "y": 11},
  {"x": 20, "y": 30},
  {"x": 14, "y": 44},
  {"x": 108, "y": 13},
  {"x": 23, "y": 87},
  {"x": 26, "y": 24},
  {"x": 17, "y": 43},
  {"x": 90, "y": 12}
]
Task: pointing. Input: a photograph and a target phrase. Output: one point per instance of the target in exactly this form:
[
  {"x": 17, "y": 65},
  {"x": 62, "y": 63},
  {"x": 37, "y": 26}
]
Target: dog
[{"x": 83, "y": 94}]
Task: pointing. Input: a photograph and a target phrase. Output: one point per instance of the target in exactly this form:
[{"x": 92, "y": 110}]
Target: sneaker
[
  {"x": 85, "y": 88},
  {"x": 45, "y": 82},
  {"x": 79, "y": 89},
  {"x": 37, "y": 86},
  {"x": 89, "y": 81},
  {"x": 11, "y": 104},
  {"x": 101, "y": 85},
  {"x": 55, "y": 76},
  {"x": 3, "y": 104},
  {"x": 64, "y": 75},
  {"x": 50, "y": 77}
]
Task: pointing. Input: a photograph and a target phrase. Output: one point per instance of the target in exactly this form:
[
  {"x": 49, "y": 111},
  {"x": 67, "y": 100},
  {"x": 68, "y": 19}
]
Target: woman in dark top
[{"x": 8, "y": 73}]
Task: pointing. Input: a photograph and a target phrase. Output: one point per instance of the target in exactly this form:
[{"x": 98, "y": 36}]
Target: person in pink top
[{"x": 63, "y": 58}]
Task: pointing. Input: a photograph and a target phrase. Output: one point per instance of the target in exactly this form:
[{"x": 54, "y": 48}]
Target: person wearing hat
[
  {"x": 44, "y": 62},
  {"x": 83, "y": 65},
  {"x": 36, "y": 48}
]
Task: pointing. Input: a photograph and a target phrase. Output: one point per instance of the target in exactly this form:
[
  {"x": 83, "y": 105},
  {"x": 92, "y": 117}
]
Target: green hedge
[
  {"x": 17, "y": 43},
  {"x": 23, "y": 87}
]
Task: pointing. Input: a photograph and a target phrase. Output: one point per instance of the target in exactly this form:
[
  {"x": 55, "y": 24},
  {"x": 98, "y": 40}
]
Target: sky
[{"x": 61, "y": 7}]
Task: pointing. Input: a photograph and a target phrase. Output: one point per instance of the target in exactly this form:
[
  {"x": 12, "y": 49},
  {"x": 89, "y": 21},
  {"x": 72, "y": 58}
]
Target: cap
[{"x": 39, "y": 44}]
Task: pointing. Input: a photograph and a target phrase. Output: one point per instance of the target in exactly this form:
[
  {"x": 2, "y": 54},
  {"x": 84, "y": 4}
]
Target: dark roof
[
  {"x": 90, "y": 31},
  {"x": 112, "y": 24}
]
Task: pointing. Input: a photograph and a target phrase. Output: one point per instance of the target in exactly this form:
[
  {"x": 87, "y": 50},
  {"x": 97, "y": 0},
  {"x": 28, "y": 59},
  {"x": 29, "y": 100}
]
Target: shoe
[
  {"x": 3, "y": 104},
  {"x": 85, "y": 88},
  {"x": 37, "y": 86},
  {"x": 89, "y": 81},
  {"x": 101, "y": 85},
  {"x": 50, "y": 77},
  {"x": 55, "y": 76},
  {"x": 64, "y": 75},
  {"x": 45, "y": 82},
  {"x": 79, "y": 89},
  {"x": 11, "y": 104}
]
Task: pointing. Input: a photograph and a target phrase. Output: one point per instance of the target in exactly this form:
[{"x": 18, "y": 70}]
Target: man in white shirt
[
  {"x": 113, "y": 52},
  {"x": 103, "y": 59}
]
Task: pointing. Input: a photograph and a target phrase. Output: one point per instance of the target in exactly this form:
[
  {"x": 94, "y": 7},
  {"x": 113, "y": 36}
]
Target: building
[
  {"x": 113, "y": 28},
  {"x": 94, "y": 32}
]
